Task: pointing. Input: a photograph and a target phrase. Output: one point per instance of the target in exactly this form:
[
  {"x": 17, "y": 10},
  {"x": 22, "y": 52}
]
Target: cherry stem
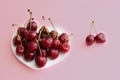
[
  {"x": 40, "y": 31},
  {"x": 18, "y": 36},
  {"x": 93, "y": 26},
  {"x": 30, "y": 17},
  {"x": 52, "y": 24},
  {"x": 39, "y": 47},
  {"x": 43, "y": 18},
  {"x": 17, "y": 26}
]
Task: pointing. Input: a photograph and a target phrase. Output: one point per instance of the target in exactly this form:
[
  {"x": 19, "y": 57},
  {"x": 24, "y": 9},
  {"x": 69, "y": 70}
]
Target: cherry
[
  {"x": 32, "y": 46},
  {"x": 44, "y": 32},
  {"x": 41, "y": 58},
  {"x": 31, "y": 35},
  {"x": 90, "y": 39},
  {"x": 100, "y": 38},
  {"x": 64, "y": 47},
  {"x": 29, "y": 56},
  {"x": 32, "y": 25},
  {"x": 40, "y": 61},
  {"x": 44, "y": 35},
  {"x": 53, "y": 34},
  {"x": 22, "y": 31},
  {"x": 64, "y": 37},
  {"x": 47, "y": 42},
  {"x": 53, "y": 53},
  {"x": 19, "y": 50},
  {"x": 17, "y": 40},
  {"x": 55, "y": 43}
]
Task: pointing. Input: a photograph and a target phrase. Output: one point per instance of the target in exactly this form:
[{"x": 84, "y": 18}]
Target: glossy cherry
[
  {"x": 90, "y": 39},
  {"x": 40, "y": 61},
  {"x": 31, "y": 35},
  {"x": 47, "y": 42},
  {"x": 53, "y": 34},
  {"x": 53, "y": 54},
  {"x": 64, "y": 37},
  {"x": 100, "y": 38},
  {"x": 55, "y": 43},
  {"x": 19, "y": 50},
  {"x": 22, "y": 31},
  {"x": 44, "y": 32},
  {"x": 64, "y": 47},
  {"x": 17, "y": 40},
  {"x": 32, "y": 46},
  {"x": 29, "y": 56},
  {"x": 33, "y": 25}
]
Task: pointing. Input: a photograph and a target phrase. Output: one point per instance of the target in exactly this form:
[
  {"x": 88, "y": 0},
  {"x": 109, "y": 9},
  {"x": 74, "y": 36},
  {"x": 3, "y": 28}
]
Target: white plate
[{"x": 32, "y": 64}]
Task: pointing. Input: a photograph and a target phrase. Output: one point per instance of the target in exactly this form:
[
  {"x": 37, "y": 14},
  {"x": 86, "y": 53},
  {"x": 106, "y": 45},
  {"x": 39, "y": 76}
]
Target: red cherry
[
  {"x": 16, "y": 40},
  {"x": 33, "y": 25},
  {"x": 100, "y": 38},
  {"x": 44, "y": 32},
  {"x": 44, "y": 35},
  {"x": 32, "y": 46},
  {"x": 40, "y": 61},
  {"x": 53, "y": 34},
  {"x": 22, "y": 31},
  {"x": 64, "y": 37},
  {"x": 64, "y": 47},
  {"x": 90, "y": 39},
  {"x": 29, "y": 56},
  {"x": 55, "y": 43},
  {"x": 31, "y": 35},
  {"x": 53, "y": 53},
  {"x": 47, "y": 42},
  {"x": 19, "y": 50}
]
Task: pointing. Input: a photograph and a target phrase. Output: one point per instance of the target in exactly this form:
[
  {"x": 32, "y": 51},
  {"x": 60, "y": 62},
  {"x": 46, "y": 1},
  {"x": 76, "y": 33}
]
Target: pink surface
[{"x": 98, "y": 62}]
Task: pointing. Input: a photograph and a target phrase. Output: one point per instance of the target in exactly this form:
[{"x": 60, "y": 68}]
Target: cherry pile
[
  {"x": 99, "y": 38},
  {"x": 38, "y": 45}
]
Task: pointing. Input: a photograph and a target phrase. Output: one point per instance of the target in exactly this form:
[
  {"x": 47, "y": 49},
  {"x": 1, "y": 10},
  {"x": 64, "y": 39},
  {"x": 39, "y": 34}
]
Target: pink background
[{"x": 98, "y": 62}]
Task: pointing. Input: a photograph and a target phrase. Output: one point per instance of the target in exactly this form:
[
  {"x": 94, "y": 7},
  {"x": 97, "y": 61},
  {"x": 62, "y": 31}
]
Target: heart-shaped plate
[{"x": 32, "y": 64}]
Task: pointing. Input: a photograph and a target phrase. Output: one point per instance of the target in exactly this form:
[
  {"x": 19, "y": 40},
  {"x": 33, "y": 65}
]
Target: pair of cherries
[
  {"x": 99, "y": 38},
  {"x": 39, "y": 46}
]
